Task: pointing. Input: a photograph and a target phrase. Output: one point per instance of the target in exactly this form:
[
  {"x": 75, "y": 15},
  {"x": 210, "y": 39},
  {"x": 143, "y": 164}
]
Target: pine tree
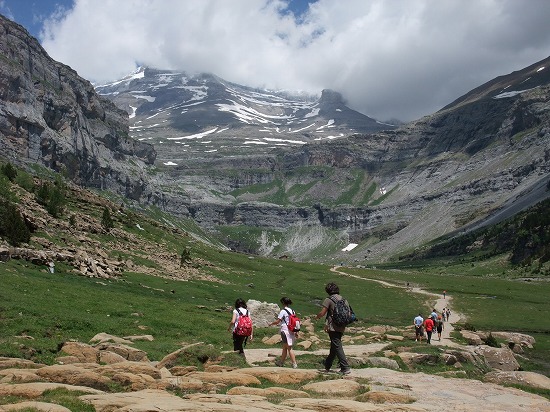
[
  {"x": 12, "y": 225},
  {"x": 107, "y": 220}
]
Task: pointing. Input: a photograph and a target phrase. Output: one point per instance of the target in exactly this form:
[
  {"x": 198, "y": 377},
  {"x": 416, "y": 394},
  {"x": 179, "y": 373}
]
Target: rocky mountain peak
[{"x": 331, "y": 96}]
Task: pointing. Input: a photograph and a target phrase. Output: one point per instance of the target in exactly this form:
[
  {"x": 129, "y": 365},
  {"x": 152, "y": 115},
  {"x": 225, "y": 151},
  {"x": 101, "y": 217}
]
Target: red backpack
[
  {"x": 244, "y": 325},
  {"x": 293, "y": 321}
]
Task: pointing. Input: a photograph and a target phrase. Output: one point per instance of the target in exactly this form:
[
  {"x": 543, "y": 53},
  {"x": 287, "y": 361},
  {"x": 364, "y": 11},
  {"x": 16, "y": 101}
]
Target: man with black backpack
[{"x": 338, "y": 316}]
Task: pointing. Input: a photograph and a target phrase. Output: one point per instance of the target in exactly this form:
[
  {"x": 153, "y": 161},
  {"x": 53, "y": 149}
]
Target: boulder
[
  {"x": 381, "y": 362},
  {"x": 226, "y": 378},
  {"x": 132, "y": 381},
  {"x": 498, "y": 358},
  {"x": 105, "y": 337},
  {"x": 338, "y": 387},
  {"x": 282, "y": 392},
  {"x": 34, "y": 406},
  {"x": 411, "y": 358},
  {"x": 531, "y": 379},
  {"x": 384, "y": 397},
  {"x": 19, "y": 376},
  {"x": 36, "y": 389},
  {"x": 127, "y": 352},
  {"x": 281, "y": 376},
  {"x": 182, "y": 370},
  {"x": 262, "y": 313},
  {"x": 83, "y": 352},
  {"x": 6, "y": 363},
  {"x": 107, "y": 357},
  {"x": 471, "y": 337},
  {"x": 74, "y": 375},
  {"x": 136, "y": 368},
  {"x": 518, "y": 338},
  {"x": 274, "y": 340},
  {"x": 171, "y": 359}
]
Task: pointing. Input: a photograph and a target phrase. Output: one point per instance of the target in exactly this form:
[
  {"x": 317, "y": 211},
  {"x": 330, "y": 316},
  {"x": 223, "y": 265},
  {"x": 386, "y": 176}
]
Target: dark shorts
[{"x": 419, "y": 330}]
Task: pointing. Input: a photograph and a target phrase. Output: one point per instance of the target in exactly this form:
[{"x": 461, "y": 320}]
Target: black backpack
[{"x": 342, "y": 315}]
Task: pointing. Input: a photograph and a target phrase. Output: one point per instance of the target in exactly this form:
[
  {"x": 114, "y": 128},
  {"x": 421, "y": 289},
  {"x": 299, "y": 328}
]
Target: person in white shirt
[{"x": 288, "y": 337}]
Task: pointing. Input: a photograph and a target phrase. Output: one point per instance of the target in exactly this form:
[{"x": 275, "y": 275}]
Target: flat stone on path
[
  {"x": 337, "y": 387},
  {"x": 34, "y": 406},
  {"x": 281, "y": 376},
  {"x": 36, "y": 389}
]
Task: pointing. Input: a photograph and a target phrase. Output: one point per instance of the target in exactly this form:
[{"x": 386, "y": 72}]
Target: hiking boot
[
  {"x": 278, "y": 363},
  {"x": 294, "y": 365},
  {"x": 323, "y": 364},
  {"x": 345, "y": 372}
]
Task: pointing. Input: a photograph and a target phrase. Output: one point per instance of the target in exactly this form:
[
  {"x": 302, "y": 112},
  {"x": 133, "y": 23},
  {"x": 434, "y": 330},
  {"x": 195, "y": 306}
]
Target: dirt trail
[{"x": 439, "y": 304}]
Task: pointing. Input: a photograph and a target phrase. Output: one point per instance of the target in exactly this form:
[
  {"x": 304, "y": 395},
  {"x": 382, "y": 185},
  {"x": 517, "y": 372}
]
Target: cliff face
[{"x": 51, "y": 116}]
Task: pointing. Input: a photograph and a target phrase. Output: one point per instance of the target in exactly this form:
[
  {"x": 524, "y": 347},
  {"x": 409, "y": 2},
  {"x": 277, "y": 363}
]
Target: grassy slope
[{"x": 51, "y": 309}]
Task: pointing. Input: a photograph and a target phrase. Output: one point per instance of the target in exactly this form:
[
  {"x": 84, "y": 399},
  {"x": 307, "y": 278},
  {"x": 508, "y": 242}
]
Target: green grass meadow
[{"x": 39, "y": 311}]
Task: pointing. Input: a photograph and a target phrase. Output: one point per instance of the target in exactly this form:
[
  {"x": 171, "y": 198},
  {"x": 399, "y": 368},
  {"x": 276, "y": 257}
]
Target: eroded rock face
[{"x": 51, "y": 116}]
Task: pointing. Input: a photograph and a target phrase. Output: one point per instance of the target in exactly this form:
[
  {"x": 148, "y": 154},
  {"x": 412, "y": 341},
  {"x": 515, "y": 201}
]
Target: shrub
[
  {"x": 9, "y": 171},
  {"x": 5, "y": 190},
  {"x": 52, "y": 197},
  {"x": 107, "y": 220},
  {"x": 12, "y": 225},
  {"x": 185, "y": 256},
  {"x": 491, "y": 341}
]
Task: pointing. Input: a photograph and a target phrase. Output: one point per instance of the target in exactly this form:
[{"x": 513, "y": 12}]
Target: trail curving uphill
[{"x": 439, "y": 303}]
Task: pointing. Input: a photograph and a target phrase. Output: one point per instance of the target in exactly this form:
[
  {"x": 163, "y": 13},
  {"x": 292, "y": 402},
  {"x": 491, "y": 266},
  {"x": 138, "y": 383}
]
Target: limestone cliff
[{"x": 51, "y": 116}]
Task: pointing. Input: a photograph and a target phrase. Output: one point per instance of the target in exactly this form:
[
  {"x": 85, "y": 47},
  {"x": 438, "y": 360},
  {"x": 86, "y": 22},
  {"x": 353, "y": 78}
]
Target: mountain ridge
[
  {"x": 389, "y": 191},
  {"x": 199, "y": 114}
]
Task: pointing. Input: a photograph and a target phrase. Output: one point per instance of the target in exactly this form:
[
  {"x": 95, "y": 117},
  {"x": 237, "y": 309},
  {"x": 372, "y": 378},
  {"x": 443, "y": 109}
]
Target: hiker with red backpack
[
  {"x": 290, "y": 326},
  {"x": 241, "y": 326}
]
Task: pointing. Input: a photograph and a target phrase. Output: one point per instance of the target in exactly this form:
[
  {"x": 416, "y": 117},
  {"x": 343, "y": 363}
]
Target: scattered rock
[
  {"x": 385, "y": 397},
  {"x": 339, "y": 387},
  {"x": 34, "y": 406},
  {"x": 471, "y": 337},
  {"x": 282, "y": 376},
  {"x": 531, "y": 379},
  {"x": 282, "y": 392},
  {"x": 226, "y": 378},
  {"x": 74, "y": 375},
  {"x": 381, "y": 362}
]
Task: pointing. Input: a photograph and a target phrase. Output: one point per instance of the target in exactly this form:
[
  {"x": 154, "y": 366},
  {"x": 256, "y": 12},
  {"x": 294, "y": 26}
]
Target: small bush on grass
[{"x": 491, "y": 341}]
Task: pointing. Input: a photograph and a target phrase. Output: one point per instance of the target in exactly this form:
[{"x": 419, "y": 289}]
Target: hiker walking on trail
[
  {"x": 287, "y": 336},
  {"x": 335, "y": 331},
  {"x": 429, "y": 325},
  {"x": 439, "y": 326},
  {"x": 418, "y": 323},
  {"x": 240, "y": 326},
  {"x": 444, "y": 294}
]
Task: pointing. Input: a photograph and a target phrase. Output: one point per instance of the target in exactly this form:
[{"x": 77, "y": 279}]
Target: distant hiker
[
  {"x": 444, "y": 315},
  {"x": 439, "y": 326},
  {"x": 418, "y": 323},
  {"x": 287, "y": 336},
  {"x": 433, "y": 315},
  {"x": 51, "y": 266},
  {"x": 334, "y": 330},
  {"x": 448, "y": 313},
  {"x": 240, "y": 326},
  {"x": 444, "y": 293},
  {"x": 429, "y": 326}
]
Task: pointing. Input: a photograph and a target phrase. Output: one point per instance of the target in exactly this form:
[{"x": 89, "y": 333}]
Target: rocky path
[{"x": 436, "y": 301}]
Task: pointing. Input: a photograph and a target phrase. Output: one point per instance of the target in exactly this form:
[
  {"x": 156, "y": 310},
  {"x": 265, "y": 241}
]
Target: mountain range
[
  {"x": 275, "y": 173},
  {"x": 185, "y": 116}
]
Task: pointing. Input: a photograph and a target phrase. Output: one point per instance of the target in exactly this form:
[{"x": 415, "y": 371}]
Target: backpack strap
[{"x": 289, "y": 314}]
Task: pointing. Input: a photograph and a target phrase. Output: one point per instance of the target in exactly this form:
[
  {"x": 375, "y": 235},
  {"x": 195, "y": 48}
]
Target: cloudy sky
[{"x": 389, "y": 58}]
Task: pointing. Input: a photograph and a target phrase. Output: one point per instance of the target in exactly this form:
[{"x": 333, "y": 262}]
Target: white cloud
[{"x": 396, "y": 58}]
